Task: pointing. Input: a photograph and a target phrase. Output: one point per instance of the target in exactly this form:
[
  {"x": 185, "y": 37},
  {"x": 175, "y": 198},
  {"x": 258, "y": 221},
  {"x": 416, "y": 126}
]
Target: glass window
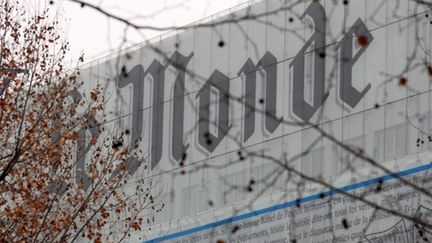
[
  {"x": 194, "y": 199},
  {"x": 311, "y": 163},
  {"x": 235, "y": 187},
  {"x": 390, "y": 143},
  {"x": 353, "y": 161}
]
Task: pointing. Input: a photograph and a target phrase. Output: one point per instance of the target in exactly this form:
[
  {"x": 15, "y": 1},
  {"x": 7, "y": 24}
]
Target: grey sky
[{"x": 95, "y": 35}]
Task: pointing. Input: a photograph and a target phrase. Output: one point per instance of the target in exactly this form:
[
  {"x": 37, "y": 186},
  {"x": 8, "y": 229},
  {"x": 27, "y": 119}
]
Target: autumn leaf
[
  {"x": 93, "y": 95},
  {"x": 122, "y": 165},
  {"x": 3, "y": 105},
  {"x": 93, "y": 140},
  {"x": 74, "y": 135},
  {"x": 135, "y": 226},
  {"x": 403, "y": 81},
  {"x": 94, "y": 110},
  {"x": 2, "y": 202},
  {"x": 362, "y": 40},
  {"x": 105, "y": 214}
]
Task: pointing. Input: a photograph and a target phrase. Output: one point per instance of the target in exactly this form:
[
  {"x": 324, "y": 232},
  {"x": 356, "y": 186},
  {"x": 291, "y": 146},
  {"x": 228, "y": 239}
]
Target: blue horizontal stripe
[{"x": 293, "y": 203}]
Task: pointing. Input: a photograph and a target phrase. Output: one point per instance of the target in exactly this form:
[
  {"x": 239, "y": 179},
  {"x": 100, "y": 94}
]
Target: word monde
[{"x": 208, "y": 140}]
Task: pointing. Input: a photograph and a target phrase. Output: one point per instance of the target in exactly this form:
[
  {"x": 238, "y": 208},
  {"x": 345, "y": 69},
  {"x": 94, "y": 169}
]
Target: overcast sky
[{"x": 95, "y": 35}]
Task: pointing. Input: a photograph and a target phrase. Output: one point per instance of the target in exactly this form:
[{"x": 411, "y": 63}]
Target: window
[
  {"x": 235, "y": 187},
  {"x": 268, "y": 177},
  {"x": 390, "y": 143},
  {"x": 194, "y": 199},
  {"x": 312, "y": 164},
  {"x": 349, "y": 159}
]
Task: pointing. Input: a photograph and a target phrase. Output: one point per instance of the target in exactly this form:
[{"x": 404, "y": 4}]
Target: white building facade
[{"x": 240, "y": 120}]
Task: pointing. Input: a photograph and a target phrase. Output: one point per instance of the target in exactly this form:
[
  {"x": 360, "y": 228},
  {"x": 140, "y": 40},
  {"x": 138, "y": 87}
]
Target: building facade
[{"x": 254, "y": 124}]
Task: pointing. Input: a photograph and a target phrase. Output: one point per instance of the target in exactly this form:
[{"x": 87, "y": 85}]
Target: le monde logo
[{"x": 301, "y": 108}]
